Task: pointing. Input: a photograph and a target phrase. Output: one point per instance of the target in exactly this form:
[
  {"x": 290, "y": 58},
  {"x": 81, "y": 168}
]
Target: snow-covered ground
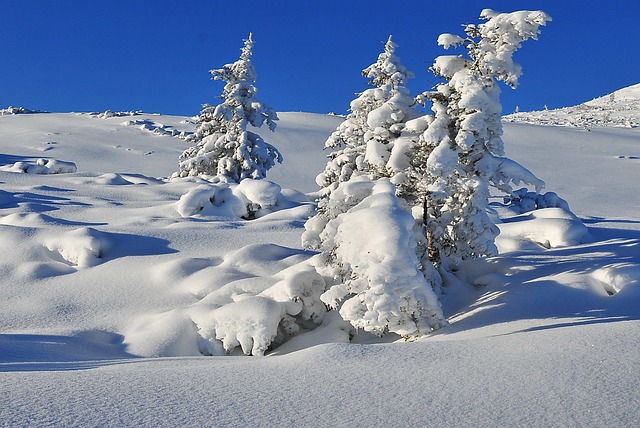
[
  {"x": 102, "y": 281},
  {"x": 620, "y": 108}
]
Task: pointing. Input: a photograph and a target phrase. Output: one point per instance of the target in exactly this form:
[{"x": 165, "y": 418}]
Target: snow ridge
[{"x": 618, "y": 109}]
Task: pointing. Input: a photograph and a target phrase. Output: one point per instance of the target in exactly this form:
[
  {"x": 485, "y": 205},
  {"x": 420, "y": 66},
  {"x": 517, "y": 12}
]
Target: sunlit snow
[{"x": 117, "y": 285}]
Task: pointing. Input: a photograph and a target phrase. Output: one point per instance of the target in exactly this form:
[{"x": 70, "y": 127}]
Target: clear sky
[{"x": 85, "y": 55}]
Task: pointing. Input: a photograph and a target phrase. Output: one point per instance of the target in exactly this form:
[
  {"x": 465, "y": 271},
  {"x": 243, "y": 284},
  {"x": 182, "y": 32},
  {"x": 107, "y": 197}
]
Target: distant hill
[{"x": 620, "y": 109}]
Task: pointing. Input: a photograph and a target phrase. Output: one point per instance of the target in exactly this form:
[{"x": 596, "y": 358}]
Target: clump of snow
[
  {"x": 18, "y": 110},
  {"x": 548, "y": 227},
  {"x": 109, "y": 114},
  {"x": 83, "y": 247},
  {"x": 42, "y": 166},
  {"x": 617, "y": 278},
  {"x": 247, "y": 200},
  {"x": 251, "y": 323}
]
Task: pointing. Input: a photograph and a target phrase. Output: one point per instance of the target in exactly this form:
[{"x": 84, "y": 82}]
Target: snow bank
[
  {"x": 256, "y": 298},
  {"x": 42, "y": 166}
]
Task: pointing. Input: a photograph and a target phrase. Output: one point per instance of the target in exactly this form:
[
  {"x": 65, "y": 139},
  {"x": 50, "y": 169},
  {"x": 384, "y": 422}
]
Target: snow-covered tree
[
  {"x": 364, "y": 232},
  {"x": 365, "y": 140},
  {"x": 223, "y": 145},
  {"x": 377, "y": 117},
  {"x": 368, "y": 255},
  {"x": 463, "y": 145}
]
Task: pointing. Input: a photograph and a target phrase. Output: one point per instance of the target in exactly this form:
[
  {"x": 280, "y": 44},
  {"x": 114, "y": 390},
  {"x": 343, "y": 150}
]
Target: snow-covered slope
[
  {"x": 620, "y": 109},
  {"x": 98, "y": 268}
]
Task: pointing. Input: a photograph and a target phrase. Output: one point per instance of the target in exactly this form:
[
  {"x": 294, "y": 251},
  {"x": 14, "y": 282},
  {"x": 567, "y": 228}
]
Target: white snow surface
[
  {"x": 109, "y": 285},
  {"x": 618, "y": 109}
]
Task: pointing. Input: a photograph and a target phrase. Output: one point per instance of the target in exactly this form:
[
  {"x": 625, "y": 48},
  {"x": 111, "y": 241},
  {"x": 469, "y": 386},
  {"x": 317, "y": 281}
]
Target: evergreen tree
[
  {"x": 364, "y": 232},
  {"x": 364, "y": 141},
  {"x": 223, "y": 145},
  {"x": 377, "y": 117},
  {"x": 464, "y": 144}
]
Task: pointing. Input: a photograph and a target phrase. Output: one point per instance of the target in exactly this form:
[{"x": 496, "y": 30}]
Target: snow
[
  {"x": 618, "y": 109},
  {"x": 379, "y": 283},
  {"x": 109, "y": 297}
]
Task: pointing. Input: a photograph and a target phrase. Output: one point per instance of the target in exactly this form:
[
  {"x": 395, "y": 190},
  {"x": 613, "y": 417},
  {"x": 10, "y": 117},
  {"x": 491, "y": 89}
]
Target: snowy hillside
[
  {"x": 109, "y": 276},
  {"x": 620, "y": 109}
]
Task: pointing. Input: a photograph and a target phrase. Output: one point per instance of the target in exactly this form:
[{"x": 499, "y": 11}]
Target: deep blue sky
[{"x": 85, "y": 55}]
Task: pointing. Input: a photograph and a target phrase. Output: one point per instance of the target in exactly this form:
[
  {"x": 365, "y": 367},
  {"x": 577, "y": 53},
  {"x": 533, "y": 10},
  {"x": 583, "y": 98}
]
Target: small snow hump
[{"x": 83, "y": 247}]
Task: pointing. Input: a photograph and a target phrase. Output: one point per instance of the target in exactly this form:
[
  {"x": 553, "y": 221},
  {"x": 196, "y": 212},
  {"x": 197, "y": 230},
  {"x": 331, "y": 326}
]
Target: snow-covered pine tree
[
  {"x": 364, "y": 232},
  {"x": 368, "y": 257},
  {"x": 364, "y": 141},
  {"x": 223, "y": 145},
  {"x": 464, "y": 145},
  {"x": 377, "y": 117}
]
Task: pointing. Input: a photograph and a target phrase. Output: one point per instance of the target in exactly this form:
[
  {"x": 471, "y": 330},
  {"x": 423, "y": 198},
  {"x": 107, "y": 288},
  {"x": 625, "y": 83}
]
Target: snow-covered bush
[
  {"x": 547, "y": 227},
  {"x": 254, "y": 314},
  {"x": 523, "y": 201},
  {"x": 223, "y": 145},
  {"x": 83, "y": 247},
  {"x": 463, "y": 144},
  {"x": 254, "y": 322}
]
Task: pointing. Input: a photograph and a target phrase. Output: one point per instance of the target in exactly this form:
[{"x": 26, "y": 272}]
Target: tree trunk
[{"x": 431, "y": 251}]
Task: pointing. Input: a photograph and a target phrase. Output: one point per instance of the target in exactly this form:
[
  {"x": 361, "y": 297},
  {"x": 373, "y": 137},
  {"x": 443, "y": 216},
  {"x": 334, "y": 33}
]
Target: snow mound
[
  {"x": 112, "y": 179},
  {"x": 623, "y": 278},
  {"x": 83, "y": 247},
  {"x": 248, "y": 200},
  {"x": 547, "y": 227},
  {"x": 42, "y": 166},
  {"x": 167, "y": 334},
  {"x": 257, "y": 297}
]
